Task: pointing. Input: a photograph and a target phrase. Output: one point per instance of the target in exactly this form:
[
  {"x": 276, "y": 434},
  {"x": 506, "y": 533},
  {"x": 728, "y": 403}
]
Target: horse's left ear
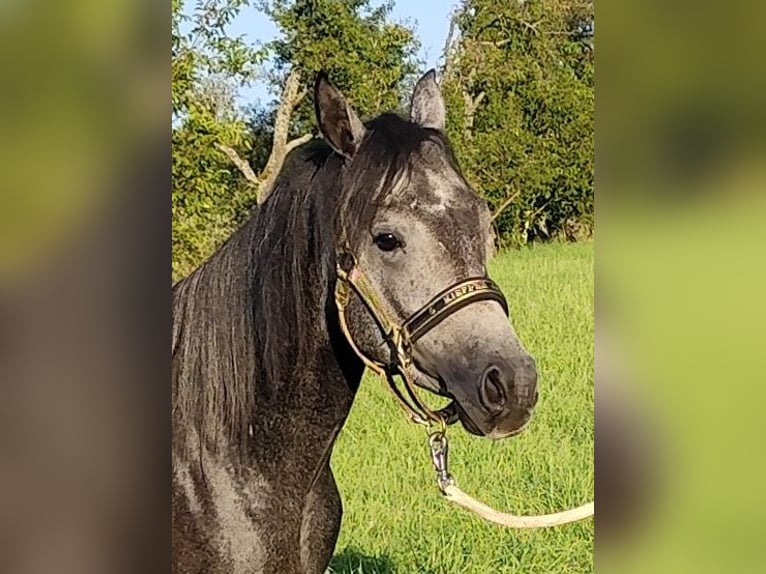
[
  {"x": 339, "y": 124},
  {"x": 427, "y": 106}
]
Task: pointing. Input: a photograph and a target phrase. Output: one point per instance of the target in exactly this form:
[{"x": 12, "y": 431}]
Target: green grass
[{"x": 395, "y": 519}]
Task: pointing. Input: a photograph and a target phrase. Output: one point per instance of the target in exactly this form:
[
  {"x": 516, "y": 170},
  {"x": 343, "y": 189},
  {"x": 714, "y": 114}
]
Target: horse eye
[{"x": 387, "y": 241}]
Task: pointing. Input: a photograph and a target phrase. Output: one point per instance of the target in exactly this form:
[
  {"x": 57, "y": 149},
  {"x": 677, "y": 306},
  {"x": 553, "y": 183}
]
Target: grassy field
[{"x": 395, "y": 519}]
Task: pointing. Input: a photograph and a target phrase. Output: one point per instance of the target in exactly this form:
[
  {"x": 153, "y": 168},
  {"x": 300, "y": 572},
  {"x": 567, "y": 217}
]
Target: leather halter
[{"x": 400, "y": 337}]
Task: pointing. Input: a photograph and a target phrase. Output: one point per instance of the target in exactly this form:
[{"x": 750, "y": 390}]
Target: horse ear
[
  {"x": 339, "y": 124},
  {"x": 427, "y": 106}
]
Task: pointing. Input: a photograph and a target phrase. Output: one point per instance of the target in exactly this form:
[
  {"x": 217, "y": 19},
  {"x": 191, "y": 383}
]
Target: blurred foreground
[{"x": 680, "y": 269}]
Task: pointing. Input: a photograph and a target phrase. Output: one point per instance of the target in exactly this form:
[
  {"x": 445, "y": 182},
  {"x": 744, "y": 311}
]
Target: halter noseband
[{"x": 400, "y": 337}]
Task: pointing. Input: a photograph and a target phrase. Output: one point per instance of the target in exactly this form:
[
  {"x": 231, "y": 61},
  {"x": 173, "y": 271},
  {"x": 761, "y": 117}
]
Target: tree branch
[
  {"x": 291, "y": 97},
  {"x": 292, "y": 144},
  {"x": 243, "y": 166},
  {"x": 280, "y": 147},
  {"x": 471, "y": 105},
  {"x": 503, "y": 205},
  {"x": 531, "y": 27},
  {"x": 491, "y": 43},
  {"x": 448, "y": 52}
]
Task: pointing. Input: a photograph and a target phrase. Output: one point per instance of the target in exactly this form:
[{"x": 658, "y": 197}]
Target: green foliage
[
  {"x": 367, "y": 56},
  {"x": 206, "y": 57},
  {"x": 528, "y": 69},
  {"x": 209, "y": 197}
]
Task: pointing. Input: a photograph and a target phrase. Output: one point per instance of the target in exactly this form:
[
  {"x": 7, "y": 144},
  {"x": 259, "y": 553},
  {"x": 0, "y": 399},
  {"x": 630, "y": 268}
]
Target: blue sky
[{"x": 429, "y": 18}]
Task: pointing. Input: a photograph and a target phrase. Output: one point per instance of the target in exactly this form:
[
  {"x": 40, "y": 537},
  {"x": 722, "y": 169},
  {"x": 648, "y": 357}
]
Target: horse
[{"x": 369, "y": 234}]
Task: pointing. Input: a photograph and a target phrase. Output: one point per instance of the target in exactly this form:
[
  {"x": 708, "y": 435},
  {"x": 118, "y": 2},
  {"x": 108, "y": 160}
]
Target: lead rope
[
  {"x": 454, "y": 494},
  {"x": 437, "y": 440}
]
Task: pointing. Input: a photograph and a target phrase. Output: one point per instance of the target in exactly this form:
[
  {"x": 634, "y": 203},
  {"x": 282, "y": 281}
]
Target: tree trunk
[{"x": 280, "y": 147}]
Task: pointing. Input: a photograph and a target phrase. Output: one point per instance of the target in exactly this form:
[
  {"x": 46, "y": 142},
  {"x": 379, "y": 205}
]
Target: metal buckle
[{"x": 439, "y": 446}]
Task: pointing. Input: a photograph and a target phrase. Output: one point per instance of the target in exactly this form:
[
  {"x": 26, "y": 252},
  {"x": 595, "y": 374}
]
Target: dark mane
[{"x": 246, "y": 320}]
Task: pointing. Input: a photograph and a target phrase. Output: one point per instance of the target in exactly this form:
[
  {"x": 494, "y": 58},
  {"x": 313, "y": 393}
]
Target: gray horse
[{"x": 263, "y": 375}]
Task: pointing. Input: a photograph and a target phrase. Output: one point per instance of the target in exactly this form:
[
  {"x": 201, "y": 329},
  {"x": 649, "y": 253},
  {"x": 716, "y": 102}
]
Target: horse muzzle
[{"x": 500, "y": 401}]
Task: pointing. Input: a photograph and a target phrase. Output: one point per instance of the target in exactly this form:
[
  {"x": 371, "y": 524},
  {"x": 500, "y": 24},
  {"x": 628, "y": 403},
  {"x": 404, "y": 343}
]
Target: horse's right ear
[{"x": 339, "y": 124}]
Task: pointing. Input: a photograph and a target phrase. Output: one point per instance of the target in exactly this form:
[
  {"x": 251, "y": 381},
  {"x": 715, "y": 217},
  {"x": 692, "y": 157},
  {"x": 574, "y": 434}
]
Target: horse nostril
[{"x": 491, "y": 390}]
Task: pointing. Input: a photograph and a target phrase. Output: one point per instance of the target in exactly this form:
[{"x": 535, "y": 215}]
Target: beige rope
[{"x": 454, "y": 494}]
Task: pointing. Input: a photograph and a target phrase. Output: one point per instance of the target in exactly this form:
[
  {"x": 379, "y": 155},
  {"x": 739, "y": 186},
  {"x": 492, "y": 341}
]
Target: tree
[
  {"x": 367, "y": 56},
  {"x": 518, "y": 78},
  {"x": 208, "y": 67}
]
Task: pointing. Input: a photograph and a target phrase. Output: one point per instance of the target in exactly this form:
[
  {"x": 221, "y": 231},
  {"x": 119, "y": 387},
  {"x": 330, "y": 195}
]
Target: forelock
[{"x": 402, "y": 164}]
